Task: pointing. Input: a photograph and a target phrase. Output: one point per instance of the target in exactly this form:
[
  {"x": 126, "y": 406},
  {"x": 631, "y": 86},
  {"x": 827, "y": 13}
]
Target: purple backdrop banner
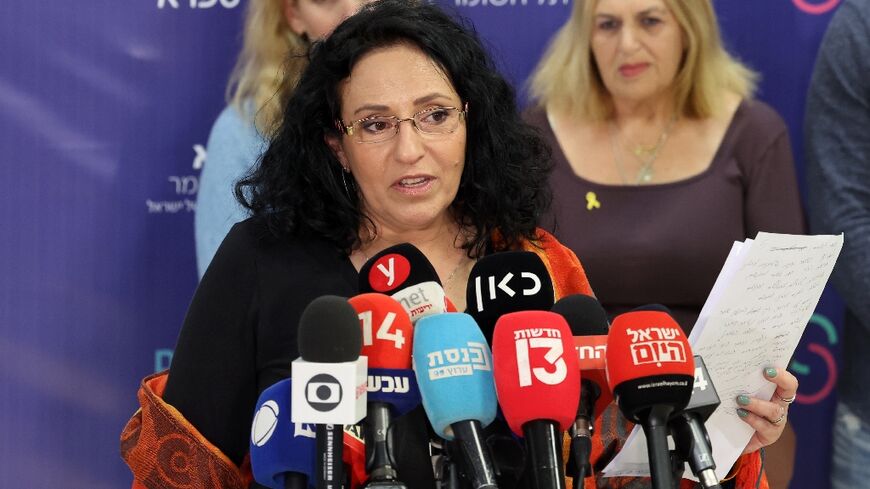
[{"x": 106, "y": 107}]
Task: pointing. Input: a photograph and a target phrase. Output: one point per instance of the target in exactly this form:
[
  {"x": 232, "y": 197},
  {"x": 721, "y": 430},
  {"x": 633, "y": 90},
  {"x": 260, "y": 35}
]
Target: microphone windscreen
[
  {"x": 421, "y": 300},
  {"x": 387, "y": 332},
  {"x": 453, "y": 365},
  {"x": 396, "y": 387},
  {"x": 536, "y": 371},
  {"x": 507, "y": 282},
  {"x": 329, "y": 331},
  {"x": 587, "y": 319},
  {"x": 279, "y": 446},
  {"x": 395, "y": 268},
  {"x": 649, "y": 362},
  {"x": 584, "y": 314}
]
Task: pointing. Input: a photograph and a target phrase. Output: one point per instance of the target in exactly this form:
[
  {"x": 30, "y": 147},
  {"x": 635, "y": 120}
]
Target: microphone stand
[{"x": 656, "y": 430}]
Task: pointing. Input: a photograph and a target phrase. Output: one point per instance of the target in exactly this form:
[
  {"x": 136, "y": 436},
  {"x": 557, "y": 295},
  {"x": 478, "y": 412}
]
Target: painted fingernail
[
  {"x": 743, "y": 400},
  {"x": 770, "y": 372},
  {"x": 742, "y": 413}
]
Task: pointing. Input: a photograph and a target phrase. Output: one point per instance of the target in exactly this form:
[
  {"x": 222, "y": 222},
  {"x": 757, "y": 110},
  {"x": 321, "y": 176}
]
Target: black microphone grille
[
  {"x": 329, "y": 331},
  {"x": 584, "y": 314}
]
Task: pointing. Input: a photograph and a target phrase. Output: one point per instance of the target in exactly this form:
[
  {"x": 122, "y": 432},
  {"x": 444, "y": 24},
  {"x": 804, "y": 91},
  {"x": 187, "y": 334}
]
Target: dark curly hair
[{"x": 297, "y": 186}]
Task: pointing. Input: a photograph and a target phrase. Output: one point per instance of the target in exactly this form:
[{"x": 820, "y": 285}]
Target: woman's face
[
  {"x": 407, "y": 182},
  {"x": 638, "y": 47},
  {"x": 317, "y": 18}
]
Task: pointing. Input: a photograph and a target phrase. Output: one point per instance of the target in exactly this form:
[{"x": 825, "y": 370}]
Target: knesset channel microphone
[
  {"x": 329, "y": 381},
  {"x": 507, "y": 282},
  {"x": 588, "y": 323},
  {"x": 392, "y": 388},
  {"x": 453, "y": 365},
  {"x": 403, "y": 272},
  {"x": 650, "y": 371},
  {"x": 282, "y": 452},
  {"x": 537, "y": 379}
]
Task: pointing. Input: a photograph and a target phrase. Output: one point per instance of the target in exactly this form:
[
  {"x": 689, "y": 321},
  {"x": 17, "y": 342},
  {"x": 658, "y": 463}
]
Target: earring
[{"x": 344, "y": 180}]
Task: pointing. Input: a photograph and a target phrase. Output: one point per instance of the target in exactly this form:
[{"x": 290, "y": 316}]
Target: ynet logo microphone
[
  {"x": 548, "y": 339},
  {"x": 656, "y": 345},
  {"x": 455, "y": 362},
  {"x": 389, "y": 272},
  {"x": 323, "y": 392}
]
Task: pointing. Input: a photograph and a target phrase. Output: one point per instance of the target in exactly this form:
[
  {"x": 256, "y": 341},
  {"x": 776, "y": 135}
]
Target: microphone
[
  {"x": 387, "y": 335},
  {"x": 687, "y": 428},
  {"x": 453, "y": 365},
  {"x": 329, "y": 389},
  {"x": 650, "y": 370},
  {"x": 507, "y": 282},
  {"x": 404, "y": 272},
  {"x": 282, "y": 452},
  {"x": 588, "y": 323},
  {"x": 537, "y": 378}
]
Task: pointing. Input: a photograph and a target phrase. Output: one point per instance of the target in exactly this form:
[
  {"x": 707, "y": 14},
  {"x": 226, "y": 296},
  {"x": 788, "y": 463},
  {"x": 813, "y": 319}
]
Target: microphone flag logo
[
  {"x": 656, "y": 345},
  {"x": 548, "y": 339},
  {"x": 323, "y": 392},
  {"x": 455, "y": 362},
  {"x": 389, "y": 272}
]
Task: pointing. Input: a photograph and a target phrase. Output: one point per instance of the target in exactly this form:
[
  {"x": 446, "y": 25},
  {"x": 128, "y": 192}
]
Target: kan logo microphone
[{"x": 507, "y": 282}]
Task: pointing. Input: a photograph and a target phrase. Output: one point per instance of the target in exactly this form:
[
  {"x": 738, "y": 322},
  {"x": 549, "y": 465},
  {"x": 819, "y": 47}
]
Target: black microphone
[
  {"x": 502, "y": 283},
  {"x": 586, "y": 318},
  {"x": 403, "y": 272},
  {"x": 687, "y": 428},
  {"x": 329, "y": 381}
]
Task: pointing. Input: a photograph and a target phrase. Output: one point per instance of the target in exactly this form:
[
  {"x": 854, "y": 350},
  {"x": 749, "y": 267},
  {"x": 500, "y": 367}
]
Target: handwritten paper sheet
[{"x": 754, "y": 318}]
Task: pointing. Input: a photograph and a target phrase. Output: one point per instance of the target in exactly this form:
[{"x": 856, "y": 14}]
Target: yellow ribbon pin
[{"x": 592, "y": 201}]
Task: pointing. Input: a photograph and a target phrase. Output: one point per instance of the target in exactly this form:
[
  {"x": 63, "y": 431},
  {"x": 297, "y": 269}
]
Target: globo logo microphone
[{"x": 323, "y": 392}]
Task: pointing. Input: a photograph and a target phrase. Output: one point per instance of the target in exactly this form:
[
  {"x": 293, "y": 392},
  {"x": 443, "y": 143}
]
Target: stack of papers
[{"x": 754, "y": 318}]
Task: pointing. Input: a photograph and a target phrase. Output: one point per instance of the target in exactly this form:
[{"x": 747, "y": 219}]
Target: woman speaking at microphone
[
  {"x": 399, "y": 130},
  {"x": 663, "y": 160}
]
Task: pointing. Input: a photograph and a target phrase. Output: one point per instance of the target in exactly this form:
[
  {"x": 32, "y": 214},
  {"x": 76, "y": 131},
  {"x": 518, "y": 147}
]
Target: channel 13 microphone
[
  {"x": 329, "y": 386},
  {"x": 650, "y": 371},
  {"x": 392, "y": 388},
  {"x": 282, "y": 452},
  {"x": 689, "y": 433},
  {"x": 588, "y": 323},
  {"x": 507, "y": 282},
  {"x": 453, "y": 365},
  {"x": 405, "y": 273},
  {"x": 537, "y": 379}
]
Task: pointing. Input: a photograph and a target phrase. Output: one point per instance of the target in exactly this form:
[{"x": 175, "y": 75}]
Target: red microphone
[
  {"x": 651, "y": 371},
  {"x": 537, "y": 379},
  {"x": 387, "y": 335}
]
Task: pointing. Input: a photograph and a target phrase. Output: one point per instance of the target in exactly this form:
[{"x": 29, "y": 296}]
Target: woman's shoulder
[{"x": 757, "y": 117}]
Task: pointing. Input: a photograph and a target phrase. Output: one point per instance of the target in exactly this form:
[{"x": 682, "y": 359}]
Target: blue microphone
[
  {"x": 282, "y": 452},
  {"x": 453, "y": 365}
]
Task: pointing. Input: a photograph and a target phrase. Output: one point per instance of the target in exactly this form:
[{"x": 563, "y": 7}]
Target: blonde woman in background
[
  {"x": 662, "y": 160},
  {"x": 277, "y": 34}
]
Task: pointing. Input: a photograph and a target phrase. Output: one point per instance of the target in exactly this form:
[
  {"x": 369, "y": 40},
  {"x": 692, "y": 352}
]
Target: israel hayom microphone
[
  {"x": 652, "y": 373},
  {"x": 537, "y": 379},
  {"x": 403, "y": 272},
  {"x": 589, "y": 326},
  {"x": 329, "y": 381},
  {"x": 453, "y": 365},
  {"x": 392, "y": 387}
]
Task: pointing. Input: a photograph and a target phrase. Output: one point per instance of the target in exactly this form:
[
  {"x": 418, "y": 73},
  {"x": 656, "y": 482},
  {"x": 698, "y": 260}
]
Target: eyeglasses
[{"x": 376, "y": 129}]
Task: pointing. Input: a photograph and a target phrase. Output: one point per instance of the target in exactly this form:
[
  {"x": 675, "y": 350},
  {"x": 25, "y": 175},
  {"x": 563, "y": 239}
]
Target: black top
[
  {"x": 665, "y": 243},
  {"x": 240, "y": 333}
]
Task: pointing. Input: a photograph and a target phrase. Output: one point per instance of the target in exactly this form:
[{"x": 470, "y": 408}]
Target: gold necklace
[{"x": 646, "y": 155}]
